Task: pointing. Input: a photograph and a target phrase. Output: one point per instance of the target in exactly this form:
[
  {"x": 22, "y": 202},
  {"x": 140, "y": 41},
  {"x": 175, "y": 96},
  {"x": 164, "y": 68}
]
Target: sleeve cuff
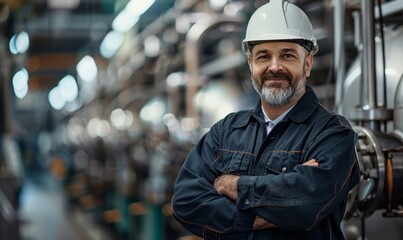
[
  {"x": 245, "y": 192},
  {"x": 244, "y": 220}
]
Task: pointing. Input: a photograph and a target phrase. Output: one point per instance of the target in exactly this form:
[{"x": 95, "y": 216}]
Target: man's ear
[
  {"x": 250, "y": 62},
  {"x": 308, "y": 65}
]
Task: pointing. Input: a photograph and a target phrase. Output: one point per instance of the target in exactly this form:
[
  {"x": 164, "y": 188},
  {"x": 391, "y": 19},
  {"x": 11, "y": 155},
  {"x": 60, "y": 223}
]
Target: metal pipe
[
  {"x": 359, "y": 47},
  {"x": 339, "y": 60},
  {"x": 368, "y": 68},
  {"x": 192, "y": 54}
]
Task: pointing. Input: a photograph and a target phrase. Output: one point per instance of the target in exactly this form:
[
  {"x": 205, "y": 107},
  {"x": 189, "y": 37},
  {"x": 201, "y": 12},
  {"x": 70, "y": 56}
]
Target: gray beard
[{"x": 276, "y": 97}]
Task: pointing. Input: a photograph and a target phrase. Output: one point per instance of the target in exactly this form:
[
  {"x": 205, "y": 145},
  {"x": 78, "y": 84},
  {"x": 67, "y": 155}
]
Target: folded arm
[
  {"x": 227, "y": 185},
  {"x": 303, "y": 196},
  {"x": 197, "y": 204}
]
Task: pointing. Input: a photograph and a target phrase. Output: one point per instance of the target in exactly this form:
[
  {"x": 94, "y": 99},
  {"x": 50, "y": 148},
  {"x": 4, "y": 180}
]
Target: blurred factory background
[{"x": 101, "y": 101}]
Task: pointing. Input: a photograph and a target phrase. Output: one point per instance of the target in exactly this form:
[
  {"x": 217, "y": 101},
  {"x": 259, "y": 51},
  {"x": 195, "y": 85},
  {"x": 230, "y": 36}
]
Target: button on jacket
[{"x": 304, "y": 202}]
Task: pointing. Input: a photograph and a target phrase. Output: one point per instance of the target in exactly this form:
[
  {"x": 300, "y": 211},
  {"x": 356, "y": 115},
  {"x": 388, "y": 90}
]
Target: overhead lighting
[
  {"x": 66, "y": 91},
  {"x": 130, "y": 15},
  {"x": 20, "y": 83},
  {"x": 111, "y": 43},
  {"x": 124, "y": 21},
  {"x": 22, "y": 92},
  {"x": 20, "y": 79},
  {"x": 138, "y": 7},
  {"x": 55, "y": 99},
  {"x": 19, "y": 43},
  {"x": 68, "y": 88},
  {"x": 87, "y": 69}
]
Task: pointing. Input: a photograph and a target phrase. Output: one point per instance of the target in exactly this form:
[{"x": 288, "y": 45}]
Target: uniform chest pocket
[
  {"x": 230, "y": 161},
  {"x": 283, "y": 161}
]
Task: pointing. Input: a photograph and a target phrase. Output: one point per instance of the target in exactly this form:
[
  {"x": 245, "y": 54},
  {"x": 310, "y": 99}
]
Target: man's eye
[{"x": 288, "y": 56}]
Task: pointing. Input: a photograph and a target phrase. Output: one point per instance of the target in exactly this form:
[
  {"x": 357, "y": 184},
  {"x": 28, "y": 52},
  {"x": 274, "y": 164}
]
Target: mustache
[{"x": 271, "y": 75}]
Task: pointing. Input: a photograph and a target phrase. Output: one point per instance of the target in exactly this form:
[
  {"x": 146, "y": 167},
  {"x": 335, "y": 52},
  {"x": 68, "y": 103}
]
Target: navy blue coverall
[{"x": 303, "y": 202}]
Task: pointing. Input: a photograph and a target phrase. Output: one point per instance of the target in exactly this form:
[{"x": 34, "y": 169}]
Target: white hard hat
[{"x": 280, "y": 20}]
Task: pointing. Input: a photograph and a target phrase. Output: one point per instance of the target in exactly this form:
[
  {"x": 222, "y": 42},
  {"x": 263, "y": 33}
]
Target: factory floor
[{"x": 44, "y": 213}]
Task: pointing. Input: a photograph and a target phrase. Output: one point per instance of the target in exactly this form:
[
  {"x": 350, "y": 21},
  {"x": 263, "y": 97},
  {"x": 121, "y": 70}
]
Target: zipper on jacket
[{"x": 259, "y": 164}]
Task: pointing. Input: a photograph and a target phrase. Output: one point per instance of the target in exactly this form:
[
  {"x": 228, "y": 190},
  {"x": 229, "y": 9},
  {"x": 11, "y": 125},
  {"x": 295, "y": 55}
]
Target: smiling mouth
[{"x": 276, "y": 80}]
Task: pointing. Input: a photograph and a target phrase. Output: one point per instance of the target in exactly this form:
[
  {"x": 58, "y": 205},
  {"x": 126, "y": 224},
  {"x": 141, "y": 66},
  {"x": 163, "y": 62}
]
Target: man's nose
[{"x": 274, "y": 65}]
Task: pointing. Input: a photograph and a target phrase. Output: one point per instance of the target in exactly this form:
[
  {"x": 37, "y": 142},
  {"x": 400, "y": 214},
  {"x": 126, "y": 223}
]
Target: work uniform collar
[
  {"x": 299, "y": 113},
  {"x": 305, "y": 107}
]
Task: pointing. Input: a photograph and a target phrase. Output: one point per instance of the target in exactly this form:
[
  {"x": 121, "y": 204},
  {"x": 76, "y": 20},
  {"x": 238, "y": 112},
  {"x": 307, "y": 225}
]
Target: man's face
[{"x": 279, "y": 71}]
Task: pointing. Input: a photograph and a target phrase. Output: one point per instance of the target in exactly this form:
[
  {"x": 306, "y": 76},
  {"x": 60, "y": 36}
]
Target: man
[{"x": 282, "y": 170}]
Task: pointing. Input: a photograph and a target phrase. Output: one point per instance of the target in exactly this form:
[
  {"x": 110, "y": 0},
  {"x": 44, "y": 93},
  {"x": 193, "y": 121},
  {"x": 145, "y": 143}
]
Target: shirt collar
[{"x": 278, "y": 119}]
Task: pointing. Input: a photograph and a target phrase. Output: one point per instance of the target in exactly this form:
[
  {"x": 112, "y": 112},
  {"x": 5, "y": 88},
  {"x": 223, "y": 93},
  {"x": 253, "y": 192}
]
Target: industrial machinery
[{"x": 370, "y": 95}]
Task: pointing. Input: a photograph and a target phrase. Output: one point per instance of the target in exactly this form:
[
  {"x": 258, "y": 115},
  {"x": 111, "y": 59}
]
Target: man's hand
[
  {"x": 312, "y": 163},
  {"x": 227, "y": 185},
  {"x": 260, "y": 224}
]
